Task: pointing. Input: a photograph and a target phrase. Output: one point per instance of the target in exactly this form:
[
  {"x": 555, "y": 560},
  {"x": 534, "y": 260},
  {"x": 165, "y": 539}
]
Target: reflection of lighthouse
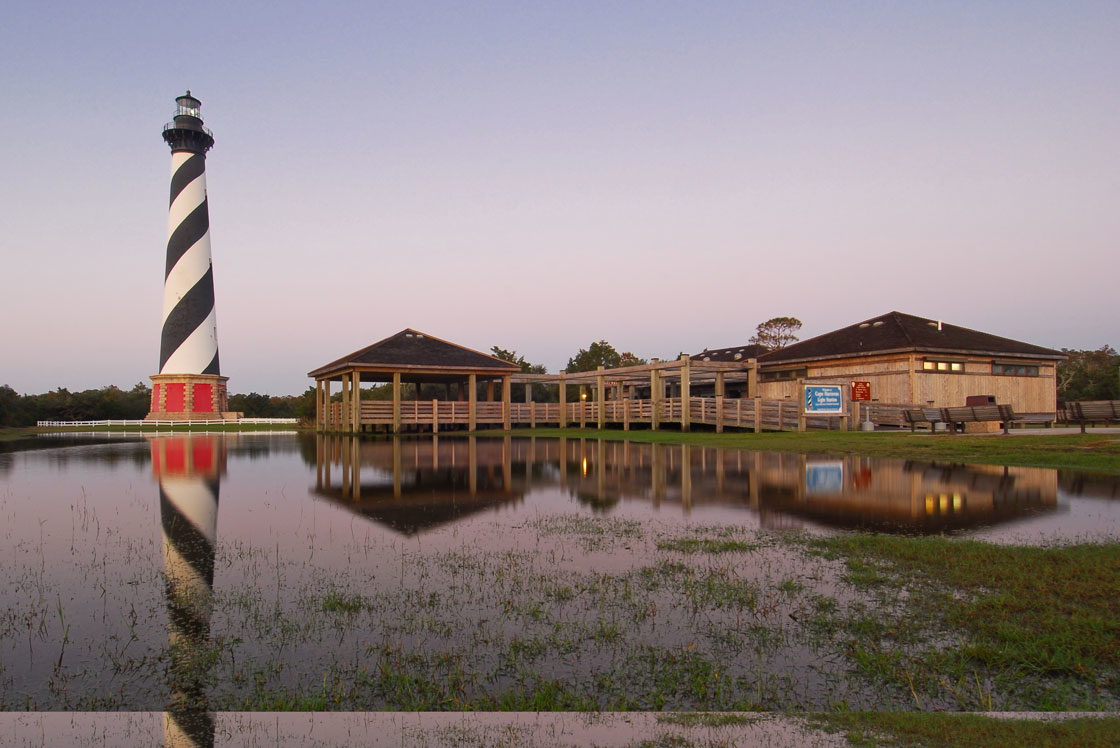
[
  {"x": 189, "y": 469},
  {"x": 189, "y": 384}
]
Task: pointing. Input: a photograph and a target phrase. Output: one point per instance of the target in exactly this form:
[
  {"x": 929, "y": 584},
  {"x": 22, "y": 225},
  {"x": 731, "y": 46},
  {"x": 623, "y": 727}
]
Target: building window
[
  {"x": 778, "y": 376},
  {"x": 935, "y": 365},
  {"x": 1014, "y": 370}
]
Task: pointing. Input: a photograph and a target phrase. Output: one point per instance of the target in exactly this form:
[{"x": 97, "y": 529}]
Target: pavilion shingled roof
[
  {"x": 414, "y": 348},
  {"x": 896, "y": 331}
]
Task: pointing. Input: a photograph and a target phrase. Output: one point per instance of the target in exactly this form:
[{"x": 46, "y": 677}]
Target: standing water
[{"x": 190, "y": 573}]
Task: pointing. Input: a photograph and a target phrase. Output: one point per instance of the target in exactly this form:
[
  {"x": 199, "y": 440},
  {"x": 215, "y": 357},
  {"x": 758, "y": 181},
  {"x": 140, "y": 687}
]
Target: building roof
[
  {"x": 896, "y": 331},
  {"x": 734, "y": 353},
  {"x": 412, "y": 349}
]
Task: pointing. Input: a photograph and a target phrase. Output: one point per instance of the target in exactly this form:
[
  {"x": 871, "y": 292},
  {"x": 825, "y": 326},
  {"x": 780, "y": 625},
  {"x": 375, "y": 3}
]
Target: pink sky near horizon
[{"x": 541, "y": 176}]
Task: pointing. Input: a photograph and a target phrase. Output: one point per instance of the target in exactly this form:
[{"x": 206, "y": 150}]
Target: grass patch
[
  {"x": 338, "y": 602},
  {"x": 708, "y": 719},
  {"x": 982, "y": 625},
  {"x": 915, "y": 728},
  {"x": 1097, "y": 452},
  {"x": 706, "y": 545}
]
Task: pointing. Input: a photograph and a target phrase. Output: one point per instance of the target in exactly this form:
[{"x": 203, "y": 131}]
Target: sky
[{"x": 540, "y": 176}]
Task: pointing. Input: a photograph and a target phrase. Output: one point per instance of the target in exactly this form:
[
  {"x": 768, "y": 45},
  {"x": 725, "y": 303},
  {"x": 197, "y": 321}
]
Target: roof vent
[
  {"x": 878, "y": 323},
  {"x": 738, "y": 355},
  {"x": 707, "y": 358},
  {"x": 865, "y": 324}
]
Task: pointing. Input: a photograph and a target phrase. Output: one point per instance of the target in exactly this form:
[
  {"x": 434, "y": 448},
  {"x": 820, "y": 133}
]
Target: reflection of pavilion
[
  {"x": 412, "y": 485},
  {"x": 416, "y": 485}
]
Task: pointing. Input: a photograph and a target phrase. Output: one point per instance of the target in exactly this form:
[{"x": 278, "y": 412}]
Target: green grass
[
  {"x": 706, "y": 545},
  {"x": 340, "y": 602},
  {"x": 921, "y": 729},
  {"x": 1099, "y": 452},
  {"x": 984, "y": 626},
  {"x": 708, "y": 719}
]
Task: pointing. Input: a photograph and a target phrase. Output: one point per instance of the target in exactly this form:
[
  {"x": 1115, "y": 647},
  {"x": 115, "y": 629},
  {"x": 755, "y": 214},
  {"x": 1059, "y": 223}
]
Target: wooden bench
[
  {"x": 955, "y": 417},
  {"x": 1093, "y": 411},
  {"x": 914, "y": 416},
  {"x": 978, "y": 414}
]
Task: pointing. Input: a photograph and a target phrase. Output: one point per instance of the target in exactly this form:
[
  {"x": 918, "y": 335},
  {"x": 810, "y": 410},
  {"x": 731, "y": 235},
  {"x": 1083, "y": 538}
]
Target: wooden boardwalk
[{"x": 754, "y": 414}]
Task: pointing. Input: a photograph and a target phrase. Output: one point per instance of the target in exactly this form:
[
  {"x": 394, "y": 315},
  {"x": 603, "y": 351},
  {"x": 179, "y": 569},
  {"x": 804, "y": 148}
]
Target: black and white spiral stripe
[
  {"x": 189, "y": 516},
  {"x": 189, "y": 343}
]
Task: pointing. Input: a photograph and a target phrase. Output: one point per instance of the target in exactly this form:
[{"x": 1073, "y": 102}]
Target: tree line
[{"x": 114, "y": 403}]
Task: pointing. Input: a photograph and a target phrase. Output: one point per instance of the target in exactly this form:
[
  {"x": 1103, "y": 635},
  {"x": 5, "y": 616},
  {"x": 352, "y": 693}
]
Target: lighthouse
[{"x": 189, "y": 384}]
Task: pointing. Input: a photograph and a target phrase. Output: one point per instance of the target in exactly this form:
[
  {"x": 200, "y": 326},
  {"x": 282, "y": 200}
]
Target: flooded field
[{"x": 192, "y": 573}]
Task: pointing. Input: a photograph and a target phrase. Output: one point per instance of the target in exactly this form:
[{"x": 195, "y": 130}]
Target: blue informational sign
[
  {"x": 824, "y": 399},
  {"x": 824, "y": 477}
]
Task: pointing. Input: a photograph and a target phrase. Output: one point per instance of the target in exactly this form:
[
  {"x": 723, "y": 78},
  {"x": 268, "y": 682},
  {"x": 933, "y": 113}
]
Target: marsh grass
[
  {"x": 934, "y": 730},
  {"x": 979, "y": 626},
  {"x": 706, "y": 545}
]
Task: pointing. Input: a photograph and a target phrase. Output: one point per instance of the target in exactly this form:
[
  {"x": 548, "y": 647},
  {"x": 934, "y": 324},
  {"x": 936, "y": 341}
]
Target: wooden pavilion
[
  {"x": 655, "y": 394},
  {"x": 416, "y": 358}
]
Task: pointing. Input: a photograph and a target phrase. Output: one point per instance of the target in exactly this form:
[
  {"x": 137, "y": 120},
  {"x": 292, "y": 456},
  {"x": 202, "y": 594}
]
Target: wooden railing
[{"x": 720, "y": 412}]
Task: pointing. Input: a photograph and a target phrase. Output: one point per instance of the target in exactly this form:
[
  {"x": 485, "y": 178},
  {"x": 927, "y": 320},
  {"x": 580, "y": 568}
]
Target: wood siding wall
[{"x": 890, "y": 378}]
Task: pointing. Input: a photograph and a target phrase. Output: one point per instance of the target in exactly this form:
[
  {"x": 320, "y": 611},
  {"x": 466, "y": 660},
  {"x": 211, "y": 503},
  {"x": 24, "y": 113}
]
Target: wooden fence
[{"x": 719, "y": 412}]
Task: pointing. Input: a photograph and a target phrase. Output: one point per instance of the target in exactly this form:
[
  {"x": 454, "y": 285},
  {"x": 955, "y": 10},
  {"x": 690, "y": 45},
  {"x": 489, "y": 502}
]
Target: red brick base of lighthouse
[{"x": 189, "y": 397}]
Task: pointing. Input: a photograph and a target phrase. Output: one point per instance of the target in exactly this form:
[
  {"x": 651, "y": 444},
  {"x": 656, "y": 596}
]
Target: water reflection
[
  {"x": 189, "y": 470},
  {"x": 413, "y": 485}
]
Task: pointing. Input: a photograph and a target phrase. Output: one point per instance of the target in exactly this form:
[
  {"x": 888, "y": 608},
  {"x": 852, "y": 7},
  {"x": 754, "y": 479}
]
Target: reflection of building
[
  {"x": 414, "y": 485},
  {"x": 909, "y": 496},
  {"x": 189, "y": 469}
]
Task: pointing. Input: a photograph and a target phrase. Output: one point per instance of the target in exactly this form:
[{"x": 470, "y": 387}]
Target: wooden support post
[
  {"x": 356, "y": 402},
  {"x": 757, "y": 415},
  {"x": 344, "y": 416},
  {"x": 435, "y": 417},
  {"x": 319, "y": 405},
  {"x": 506, "y": 404},
  {"x": 563, "y": 388},
  {"x": 600, "y": 398},
  {"x": 472, "y": 402},
  {"x": 529, "y": 402},
  {"x": 626, "y": 414},
  {"x": 686, "y": 393},
  {"x": 752, "y": 378},
  {"x": 655, "y": 399},
  {"x": 489, "y": 390},
  {"x": 396, "y": 402}
]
